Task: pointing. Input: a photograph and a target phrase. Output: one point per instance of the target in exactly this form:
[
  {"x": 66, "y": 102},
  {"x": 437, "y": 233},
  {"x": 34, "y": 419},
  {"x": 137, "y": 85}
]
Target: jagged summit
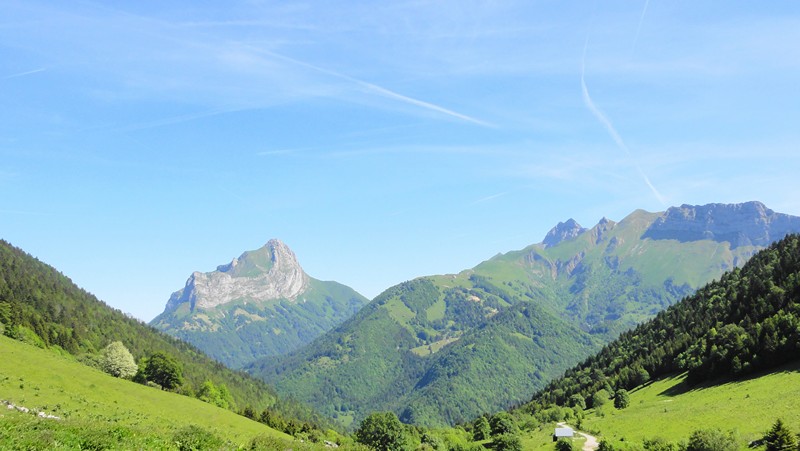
[
  {"x": 260, "y": 304},
  {"x": 271, "y": 272},
  {"x": 563, "y": 231},
  {"x": 743, "y": 224}
]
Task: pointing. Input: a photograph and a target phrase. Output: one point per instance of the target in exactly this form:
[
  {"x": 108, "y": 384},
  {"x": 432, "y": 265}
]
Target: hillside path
[{"x": 591, "y": 443}]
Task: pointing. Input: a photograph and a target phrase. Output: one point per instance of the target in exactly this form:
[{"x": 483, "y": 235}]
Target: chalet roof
[{"x": 564, "y": 432}]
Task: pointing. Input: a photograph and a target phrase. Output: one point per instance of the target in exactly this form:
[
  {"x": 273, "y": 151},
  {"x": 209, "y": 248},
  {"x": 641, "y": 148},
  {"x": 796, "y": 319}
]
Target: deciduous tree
[
  {"x": 382, "y": 431},
  {"x": 163, "y": 370},
  {"x": 117, "y": 361}
]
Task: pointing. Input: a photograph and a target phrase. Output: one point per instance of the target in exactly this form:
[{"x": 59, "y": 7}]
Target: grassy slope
[
  {"x": 42, "y": 380},
  {"x": 669, "y": 409},
  {"x": 673, "y": 410}
]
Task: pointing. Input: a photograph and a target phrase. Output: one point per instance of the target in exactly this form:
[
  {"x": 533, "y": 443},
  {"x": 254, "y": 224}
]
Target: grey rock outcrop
[
  {"x": 745, "y": 224},
  {"x": 563, "y": 231},
  {"x": 269, "y": 273}
]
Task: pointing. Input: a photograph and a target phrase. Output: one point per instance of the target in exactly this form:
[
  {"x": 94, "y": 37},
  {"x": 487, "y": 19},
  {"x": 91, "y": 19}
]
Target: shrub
[
  {"x": 117, "y": 361},
  {"x": 192, "y": 437},
  {"x": 507, "y": 442},
  {"x": 711, "y": 440},
  {"x": 564, "y": 445}
]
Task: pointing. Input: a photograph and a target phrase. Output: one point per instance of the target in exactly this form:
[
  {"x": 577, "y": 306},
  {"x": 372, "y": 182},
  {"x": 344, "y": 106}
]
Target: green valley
[{"x": 440, "y": 350}]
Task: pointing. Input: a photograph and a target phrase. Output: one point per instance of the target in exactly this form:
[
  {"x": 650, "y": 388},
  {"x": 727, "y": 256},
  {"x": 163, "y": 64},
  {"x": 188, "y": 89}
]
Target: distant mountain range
[
  {"x": 443, "y": 349},
  {"x": 259, "y": 305}
]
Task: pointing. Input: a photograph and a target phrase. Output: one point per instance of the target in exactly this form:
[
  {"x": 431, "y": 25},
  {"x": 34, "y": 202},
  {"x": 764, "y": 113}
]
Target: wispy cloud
[
  {"x": 22, "y": 74},
  {"x": 380, "y": 90},
  {"x": 639, "y": 26},
  {"x": 489, "y": 198},
  {"x": 612, "y": 131}
]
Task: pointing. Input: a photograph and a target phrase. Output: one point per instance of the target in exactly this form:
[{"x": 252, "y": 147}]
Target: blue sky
[{"x": 141, "y": 141}]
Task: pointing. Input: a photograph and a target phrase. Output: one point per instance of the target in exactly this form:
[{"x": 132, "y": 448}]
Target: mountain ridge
[
  {"x": 261, "y": 304},
  {"x": 599, "y": 281}
]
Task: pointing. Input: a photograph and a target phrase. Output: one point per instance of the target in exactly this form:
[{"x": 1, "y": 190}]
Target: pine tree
[{"x": 779, "y": 438}]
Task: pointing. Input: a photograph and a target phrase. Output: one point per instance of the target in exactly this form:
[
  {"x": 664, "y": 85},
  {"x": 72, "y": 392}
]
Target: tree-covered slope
[
  {"x": 261, "y": 304},
  {"x": 748, "y": 320},
  {"x": 41, "y": 306},
  {"x": 443, "y": 349}
]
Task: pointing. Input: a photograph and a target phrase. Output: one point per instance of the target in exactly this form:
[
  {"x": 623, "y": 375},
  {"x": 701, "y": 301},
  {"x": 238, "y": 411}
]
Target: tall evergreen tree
[{"x": 780, "y": 438}]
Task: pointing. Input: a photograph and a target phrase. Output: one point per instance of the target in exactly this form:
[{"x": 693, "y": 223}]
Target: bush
[
  {"x": 564, "y": 445},
  {"x": 268, "y": 442},
  {"x": 659, "y": 444},
  {"x": 711, "y": 440},
  {"x": 605, "y": 445},
  {"x": 191, "y": 438},
  {"x": 507, "y": 442}
]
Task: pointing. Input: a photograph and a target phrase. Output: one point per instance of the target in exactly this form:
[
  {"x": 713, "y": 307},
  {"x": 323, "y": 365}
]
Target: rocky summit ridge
[
  {"x": 269, "y": 273},
  {"x": 743, "y": 224},
  {"x": 260, "y": 304}
]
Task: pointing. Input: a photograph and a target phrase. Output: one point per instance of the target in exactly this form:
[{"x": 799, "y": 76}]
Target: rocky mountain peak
[
  {"x": 743, "y": 224},
  {"x": 269, "y": 273},
  {"x": 563, "y": 231}
]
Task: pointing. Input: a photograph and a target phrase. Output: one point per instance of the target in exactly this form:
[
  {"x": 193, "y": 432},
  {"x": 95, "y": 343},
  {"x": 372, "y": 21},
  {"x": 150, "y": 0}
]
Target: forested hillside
[
  {"x": 748, "y": 320},
  {"x": 442, "y": 349},
  {"x": 390, "y": 356},
  {"x": 43, "y": 307}
]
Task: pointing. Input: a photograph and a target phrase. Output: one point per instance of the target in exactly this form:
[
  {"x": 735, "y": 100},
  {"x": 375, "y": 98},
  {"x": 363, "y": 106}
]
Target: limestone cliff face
[
  {"x": 269, "y": 273},
  {"x": 562, "y": 232},
  {"x": 745, "y": 224}
]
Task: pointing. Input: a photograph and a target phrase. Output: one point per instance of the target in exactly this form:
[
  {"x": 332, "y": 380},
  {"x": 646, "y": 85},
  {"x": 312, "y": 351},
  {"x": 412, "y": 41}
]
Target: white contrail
[
  {"x": 371, "y": 87},
  {"x": 22, "y": 74},
  {"x": 639, "y": 27},
  {"x": 587, "y": 100}
]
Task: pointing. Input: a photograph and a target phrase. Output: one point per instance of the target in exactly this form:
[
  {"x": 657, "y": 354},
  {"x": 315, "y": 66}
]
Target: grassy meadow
[
  {"x": 671, "y": 410},
  {"x": 102, "y": 409}
]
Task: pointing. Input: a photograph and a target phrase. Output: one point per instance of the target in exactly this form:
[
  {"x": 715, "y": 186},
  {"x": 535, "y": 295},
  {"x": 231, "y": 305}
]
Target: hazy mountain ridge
[
  {"x": 746, "y": 224},
  {"x": 587, "y": 284},
  {"x": 747, "y": 321},
  {"x": 261, "y": 304}
]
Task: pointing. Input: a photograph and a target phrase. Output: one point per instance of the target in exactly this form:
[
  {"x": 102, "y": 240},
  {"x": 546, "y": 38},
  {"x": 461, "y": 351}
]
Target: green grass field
[
  {"x": 671, "y": 410},
  {"x": 93, "y": 403}
]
